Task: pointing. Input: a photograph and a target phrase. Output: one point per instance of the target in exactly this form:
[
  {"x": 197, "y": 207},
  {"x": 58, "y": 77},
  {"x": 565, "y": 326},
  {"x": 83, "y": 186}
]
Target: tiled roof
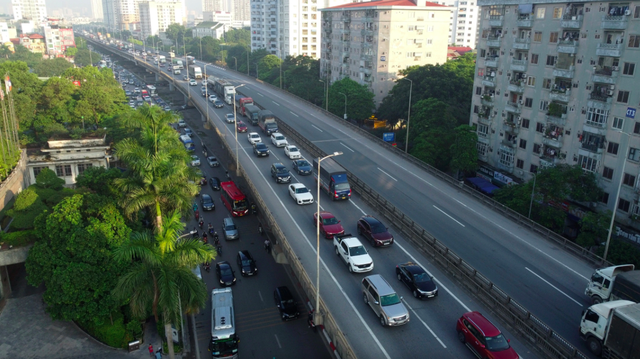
[{"x": 384, "y": 3}]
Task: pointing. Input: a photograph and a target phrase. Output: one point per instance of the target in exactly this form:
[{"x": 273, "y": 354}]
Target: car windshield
[
  {"x": 331, "y": 220},
  {"x": 261, "y": 146},
  {"x": 342, "y": 186},
  {"x": 293, "y": 149},
  {"x": 390, "y": 299},
  {"x": 225, "y": 271},
  {"x": 303, "y": 164},
  {"x": 377, "y": 227},
  {"x": 279, "y": 137},
  {"x": 357, "y": 251},
  {"x": 282, "y": 171},
  {"x": 230, "y": 227},
  {"x": 246, "y": 263},
  {"x": 302, "y": 190},
  {"x": 497, "y": 343},
  {"x": 421, "y": 277}
]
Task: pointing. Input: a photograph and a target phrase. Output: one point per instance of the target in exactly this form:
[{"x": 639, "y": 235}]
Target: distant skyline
[{"x": 83, "y": 7}]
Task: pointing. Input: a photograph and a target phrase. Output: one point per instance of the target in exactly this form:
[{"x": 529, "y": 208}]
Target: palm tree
[{"x": 160, "y": 278}]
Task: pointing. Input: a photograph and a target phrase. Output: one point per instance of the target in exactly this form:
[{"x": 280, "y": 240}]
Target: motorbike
[
  {"x": 201, "y": 223},
  {"x": 219, "y": 249},
  {"x": 207, "y": 267}
]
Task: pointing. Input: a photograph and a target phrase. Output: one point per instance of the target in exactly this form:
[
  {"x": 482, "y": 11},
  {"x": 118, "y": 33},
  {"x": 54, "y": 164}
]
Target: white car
[
  {"x": 193, "y": 82},
  {"x": 278, "y": 140},
  {"x": 212, "y": 98},
  {"x": 182, "y": 124},
  {"x": 230, "y": 118},
  {"x": 292, "y": 152},
  {"x": 204, "y": 82},
  {"x": 195, "y": 161},
  {"x": 300, "y": 193},
  {"x": 253, "y": 138}
]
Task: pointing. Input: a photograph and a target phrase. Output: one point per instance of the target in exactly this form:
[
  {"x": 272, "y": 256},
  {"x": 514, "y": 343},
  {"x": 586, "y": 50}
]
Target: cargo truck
[
  {"x": 333, "y": 179},
  {"x": 224, "y": 89},
  {"x": 172, "y": 55},
  {"x": 612, "y": 329},
  {"x": 195, "y": 72},
  {"x": 267, "y": 122},
  {"x": 224, "y": 339},
  {"x": 237, "y": 98},
  {"x": 251, "y": 112},
  {"x": 176, "y": 61},
  {"x": 162, "y": 59},
  {"x": 176, "y": 69},
  {"x": 244, "y": 102},
  {"x": 614, "y": 283},
  {"x": 191, "y": 60}
]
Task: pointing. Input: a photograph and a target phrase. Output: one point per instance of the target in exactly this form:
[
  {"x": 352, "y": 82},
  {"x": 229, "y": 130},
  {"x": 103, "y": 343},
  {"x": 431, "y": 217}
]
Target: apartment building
[
  {"x": 156, "y": 16},
  {"x": 463, "y": 24},
  {"x": 370, "y": 42},
  {"x": 34, "y": 42},
  {"x": 58, "y": 38},
  {"x": 241, "y": 10},
  {"x": 212, "y": 5},
  {"x": 217, "y": 16},
  {"x": 96, "y": 10},
  {"x": 288, "y": 27},
  {"x": 120, "y": 14},
  {"x": 556, "y": 83},
  {"x": 35, "y": 10}
]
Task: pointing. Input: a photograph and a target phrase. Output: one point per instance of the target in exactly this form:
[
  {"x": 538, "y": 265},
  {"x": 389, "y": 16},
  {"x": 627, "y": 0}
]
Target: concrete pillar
[
  {"x": 186, "y": 99},
  {"x": 157, "y": 78},
  {"x": 170, "y": 86},
  {"x": 203, "y": 117}
]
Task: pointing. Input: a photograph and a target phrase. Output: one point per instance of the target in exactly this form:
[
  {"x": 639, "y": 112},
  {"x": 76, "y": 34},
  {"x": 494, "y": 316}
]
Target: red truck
[{"x": 242, "y": 103}]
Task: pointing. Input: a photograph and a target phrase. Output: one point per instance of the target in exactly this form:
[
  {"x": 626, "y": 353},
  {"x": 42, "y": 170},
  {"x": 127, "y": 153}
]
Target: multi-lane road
[{"x": 547, "y": 281}]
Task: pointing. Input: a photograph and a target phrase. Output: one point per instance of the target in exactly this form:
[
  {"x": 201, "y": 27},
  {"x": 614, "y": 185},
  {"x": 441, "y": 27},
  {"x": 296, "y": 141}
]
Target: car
[
  {"x": 241, "y": 126},
  {"x": 260, "y": 149},
  {"x": 181, "y": 123},
  {"x": 483, "y": 338},
  {"x": 253, "y": 138},
  {"x": 230, "y": 118},
  {"x": 300, "y": 193},
  {"x": 190, "y": 147},
  {"x": 373, "y": 230},
  {"x": 185, "y": 78},
  {"x": 292, "y": 152},
  {"x": 188, "y": 132},
  {"x": 302, "y": 166},
  {"x": 213, "y": 161},
  {"x": 128, "y": 93},
  {"x": 226, "y": 275},
  {"x": 329, "y": 225},
  {"x": 207, "y": 202},
  {"x": 287, "y": 306},
  {"x": 193, "y": 82},
  {"x": 280, "y": 173},
  {"x": 214, "y": 182},
  {"x": 195, "y": 160},
  {"x": 218, "y": 104},
  {"x": 246, "y": 263},
  {"x": 229, "y": 229},
  {"x": 278, "y": 139},
  {"x": 204, "y": 82},
  {"x": 136, "y": 90},
  {"x": 212, "y": 98},
  {"x": 167, "y": 108},
  {"x": 420, "y": 283},
  {"x": 384, "y": 301}
]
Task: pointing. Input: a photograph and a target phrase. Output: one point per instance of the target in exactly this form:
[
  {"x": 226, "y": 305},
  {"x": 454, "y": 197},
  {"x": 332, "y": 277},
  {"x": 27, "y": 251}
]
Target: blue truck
[{"x": 333, "y": 179}]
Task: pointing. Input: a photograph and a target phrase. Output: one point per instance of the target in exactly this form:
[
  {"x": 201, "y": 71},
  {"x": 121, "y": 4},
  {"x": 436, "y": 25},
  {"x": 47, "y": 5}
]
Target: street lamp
[
  {"x": 532, "y": 193},
  {"x": 345, "y": 105},
  {"x": 615, "y": 203},
  {"x": 317, "y": 307},
  {"x": 325, "y": 88},
  {"x": 406, "y": 142},
  {"x": 187, "y": 68},
  {"x": 236, "y": 128},
  {"x": 206, "y": 93}
]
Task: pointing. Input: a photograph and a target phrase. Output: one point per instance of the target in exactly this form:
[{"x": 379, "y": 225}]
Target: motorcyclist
[
  {"x": 210, "y": 227},
  {"x": 201, "y": 223}
]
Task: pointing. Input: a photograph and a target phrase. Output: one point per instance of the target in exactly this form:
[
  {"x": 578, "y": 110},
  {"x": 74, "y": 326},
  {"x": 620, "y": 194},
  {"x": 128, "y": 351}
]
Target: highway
[{"x": 548, "y": 282}]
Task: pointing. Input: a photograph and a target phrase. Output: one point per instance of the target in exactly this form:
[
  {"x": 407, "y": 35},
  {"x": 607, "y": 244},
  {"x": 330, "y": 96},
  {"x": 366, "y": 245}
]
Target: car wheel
[
  {"x": 350, "y": 268},
  {"x": 382, "y": 321},
  {"x": 359, "y": 230},
  {"x": 337, "y": 252},
  {"x": 415, "y": 294},
  {"x": 399, "y": 276},
  {"x": 594, "y": 346},
  {"x": 366, "y": 300},
  {"x": 461, "y": 337}
]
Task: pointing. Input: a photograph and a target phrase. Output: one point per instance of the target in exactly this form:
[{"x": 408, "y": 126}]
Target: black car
[
  {"x": 280, "y": 173},
  {"x": 207, "y": 202},
  {"x": 226, "y": 275},
  {"x": 214, "y": 182},
  {"x": 303, "y": 167},
  {"x": 286, "y": 304},
  {"x": 260, "y": 149},
  {"x": 246, "y": 263},
  {"x": 417, "y": 279},
  {"x": 376, "y": 232},
  {"x": 218, "y": 104}
]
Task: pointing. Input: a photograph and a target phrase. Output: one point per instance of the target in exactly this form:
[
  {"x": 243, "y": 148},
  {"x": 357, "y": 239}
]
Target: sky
[{"x": 83, "y": 7}]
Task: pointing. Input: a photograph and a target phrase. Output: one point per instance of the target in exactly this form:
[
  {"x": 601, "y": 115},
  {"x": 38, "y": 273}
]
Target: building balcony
[
  {"x": 559, "y": 121},
  {"x": 571, "y": 21},
  {"x": 555, "y": 142},
  {"x": 548, "y": 161},
  {"x": 494, "y": 41},
  {"x": 614, "y": 22},
  {"x": 606, "y": 75},
  {"x": 512, "y": 107},
  {"x": 511, "y": 127},
  {"x": 593, "y": 147},
  {"x": 522, "y": 43},
  {"x": 564, "y": 73},
  {"x": 486, "y": 101},
  {"x": 600, "y": 97},
  {"x": 525, "y": 21},
  {"x": 507, "y": 145},
  {"x": 489, "y": 81},
  {"x": 365, "y": 70},
  {"x": 485, "y": 120},
  {"x": 612, "y": 50},
  {"x": 567, "y": 46},
  {"x": 516, "y": 86},
  {"x": 518, "y": 65},
  {"x": 560, "y": 95},
  {"x": 496, "y": 20},
  {"x": 508, "y": 168},
  {"x": 595, "y": 127},
  {"x": 491, "y": 61}
]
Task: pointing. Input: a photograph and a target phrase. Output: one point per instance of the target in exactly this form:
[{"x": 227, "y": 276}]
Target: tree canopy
[{"x": 359, "y": 99}]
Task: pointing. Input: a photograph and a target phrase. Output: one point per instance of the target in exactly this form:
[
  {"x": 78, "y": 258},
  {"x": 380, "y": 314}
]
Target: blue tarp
[{"x": 482, "y": 184}]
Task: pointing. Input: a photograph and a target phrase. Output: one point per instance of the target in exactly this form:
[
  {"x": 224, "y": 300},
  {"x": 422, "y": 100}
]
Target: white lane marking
[
  {"x": 425, "y": 324},
  {"x": 276, "y": 156},
  {"x": 293, "y": 113},
  {"x": 259, "y": 94},
  {"x": 278, "y": 340},
  {"x": 347, "y": 147},
  {"x": 390, "y": 176},
  {"x": 261, "y": 299},
  {"x": 554, "y": 287},
  {"x": 275, "y": 103},
  {"x": 314, "y": 126},
  {"x": 360, "y": 209},
  {"x": 446, "y": 214}
]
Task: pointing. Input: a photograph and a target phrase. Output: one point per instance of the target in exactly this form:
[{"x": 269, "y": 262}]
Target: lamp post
[
  {"x": 617, "y": 198},
  {"x": 248, "y": 62},
  {"x": 236, "y": 59},
  {"x": 345, "y": 105},
  {"x": 406, "y": 142},
  {"x": 235, "y": 124},
  {"x": 317, "y": 306},
  {"x": 206, "y": 93},
  {"x": 325, "y": 89},
  {"x": 187, "y": 68},
  {"x": 532, "y": 193}
]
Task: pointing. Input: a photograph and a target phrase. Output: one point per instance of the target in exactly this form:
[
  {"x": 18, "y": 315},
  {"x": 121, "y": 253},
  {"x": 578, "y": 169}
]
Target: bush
[
  {"x": 621, "y": 252},
  {"x": 25, "y": 219},
  {"x": 19, "y": 238},
  {"x": 114, "y": 335},
  {"x": 25, "y": 199}
]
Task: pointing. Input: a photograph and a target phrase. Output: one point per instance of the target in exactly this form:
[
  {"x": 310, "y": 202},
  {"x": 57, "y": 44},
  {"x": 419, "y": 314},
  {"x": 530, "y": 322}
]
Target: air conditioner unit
[
  {"x": 610, "y": 93},
  {"x": 493, "y": 74},
  {"x": 612, "y": 87},
  {"x": 614, "y": 68},
  {"x": 491, "y": 95},
  {"x": 627, "y": 12}
]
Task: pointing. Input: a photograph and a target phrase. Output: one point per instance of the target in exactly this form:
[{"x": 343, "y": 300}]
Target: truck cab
[
  {"x": 612, "y": 328},
  {"x": 603, "y": 285}
]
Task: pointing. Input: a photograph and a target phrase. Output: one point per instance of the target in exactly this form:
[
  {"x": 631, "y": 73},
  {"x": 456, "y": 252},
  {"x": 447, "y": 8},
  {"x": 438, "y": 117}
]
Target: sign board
[
  {"x": 383, "y": 58},
  {"x": 631, "y": 112},
  {"x": 388, "y": 136}
]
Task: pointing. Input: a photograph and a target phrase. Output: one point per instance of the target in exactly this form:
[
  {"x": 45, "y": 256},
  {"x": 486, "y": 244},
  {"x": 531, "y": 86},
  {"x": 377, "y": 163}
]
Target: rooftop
[
  {"x": 386, "y": 3},
  {"x": 209, "y": 24}
]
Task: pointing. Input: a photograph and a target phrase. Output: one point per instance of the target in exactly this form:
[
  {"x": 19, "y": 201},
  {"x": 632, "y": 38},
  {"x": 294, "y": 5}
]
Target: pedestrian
[
  {"x": 151, "y": 350},
  {"x": 260, "y": 230},
  {"x": 158, "y": 355},
  {"x": 267, "y": 245}
]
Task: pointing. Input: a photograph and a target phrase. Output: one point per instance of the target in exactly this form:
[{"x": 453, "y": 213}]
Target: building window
[
  {"x": 634, "y": 41},
  {"x": 523, "y": 143},
  {"x": 483, "y": 129},
  {"x": 539, "y": 127},
  {"x": 506, "y": 158},
  {"x": 551, "y": 60},
  {"x": 607, "y": 173},
  {"x": 63, "y": 170},
  {"x": 597, "y": 116},
  {"x": 636, "y": 128},
  {"x": 634, "y": 154},
  {"x": 540, "y": 13},
  {"x": 537, "y": 148},
  {"x": 623, "y": 205},
  {"x": 612, "y": 148},
  {"x": 537, "y": 36},
  {"x": 546, "y": 83},
  {"x": 478, "y": 90},
  {"x": 617, "y": 123},
  {"x": 623, "y": 96},
  {"x": 533, "y": 169},
  {"x": 629, "y": 180},
  {"x": 83, "y": 167},
  {"x": 528, "y": 102},
  {"x": 520, "y": 163},
  {"x": 588, "y": 164},
  {"x": 553, "y": 37},
  {"x": 605, "y": 198},
  {"x": 482, "y": 148},
  {"x": 525, "y": 123},
  {"x": 629, "y": 68},
  {"x": 534, "y": 58},
  {"x": 531, "y": 81},
  {"x": 557, "y": 12},
  {"x": 37, "y": 170}
]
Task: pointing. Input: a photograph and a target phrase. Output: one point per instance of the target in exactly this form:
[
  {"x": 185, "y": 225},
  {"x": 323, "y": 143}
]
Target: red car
[
  {"x": 374, "y": 231},
  {"x": 242, "y": 127},
  {"x": 483, "y": 338},
  {"x": 329, "y": 224}
]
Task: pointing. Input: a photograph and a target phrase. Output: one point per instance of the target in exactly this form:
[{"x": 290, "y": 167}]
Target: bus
[
  {"x": 234, "y": 199},
  {"x": 224, "y": 340}
]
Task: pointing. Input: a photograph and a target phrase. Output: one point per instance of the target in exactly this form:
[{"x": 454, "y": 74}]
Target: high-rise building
[
  {"x": 213, "y": 5},
  {"x": 463, "y": 26},
  {"x": 120, "y": 14},
  {"x": 96, "y": 10},
  {"x": 241, "y": 10},
  {"x": 555, "y": 84},
  {"x": 156, "y": 16},
  {"x": 35, "y": 10},
  {"x": 370, "y": 42},
  {"x": 58, "y": 38}
]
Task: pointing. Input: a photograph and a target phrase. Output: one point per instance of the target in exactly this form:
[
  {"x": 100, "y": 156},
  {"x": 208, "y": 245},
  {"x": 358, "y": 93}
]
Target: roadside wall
[{"x": 16, "y": 182}]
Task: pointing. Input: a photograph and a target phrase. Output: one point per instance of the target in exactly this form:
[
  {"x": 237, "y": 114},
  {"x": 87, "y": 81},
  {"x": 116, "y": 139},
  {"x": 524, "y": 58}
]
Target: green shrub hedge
[{"x": 19, "y": 238}]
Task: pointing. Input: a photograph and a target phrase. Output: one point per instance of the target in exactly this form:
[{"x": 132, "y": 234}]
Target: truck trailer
[
  {"x": 252, "y": 113},
  {"x": 267, "y": 122},
  {"x": 224, "y": 89},
  {"x": 614, "y": 283},
  {"x": 333, "y": 179},
  {"x": 612, "y": 329},
  {"x": 195, "y": 72}
]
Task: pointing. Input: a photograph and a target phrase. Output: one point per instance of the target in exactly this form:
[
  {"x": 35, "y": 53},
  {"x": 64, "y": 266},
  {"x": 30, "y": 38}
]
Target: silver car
[
  {"x": 384, "y": 301},
  {"x": 229, "y": 229}
]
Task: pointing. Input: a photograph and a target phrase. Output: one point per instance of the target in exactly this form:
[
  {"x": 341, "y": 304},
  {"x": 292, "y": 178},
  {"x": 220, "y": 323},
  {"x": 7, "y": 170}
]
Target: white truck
[
  {"x": 353, "y": 253},
  {"x": 614, "y": 283},
  {"x": 176, "y": 69},
  {"x": 162, "y": 59},
  {"x": 195, "y": 72},
  {"x": 612, "y": 329}
]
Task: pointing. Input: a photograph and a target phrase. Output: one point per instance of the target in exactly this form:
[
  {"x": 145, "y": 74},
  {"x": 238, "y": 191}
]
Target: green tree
[
  {"x": 176, "y": 33},
  {"x": 160, "y": 277},
  {"x": 241, "y": 37},
  {"x": 71, "y": 51},
  {"x": 47, "y": 179},
  {"x": 84, "y": 57},
  {"x": 594, "y": 227},
  {"x": 358, "y": 98},
  {"x": 99, "y": 180},
  {"x": 464, "y": 153},
  {"x": 266, "y": 64},
  {"x": 621, "y": 252},
  {"x": 54, "y": 67},
  {"x": 26, "y": 88}
]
